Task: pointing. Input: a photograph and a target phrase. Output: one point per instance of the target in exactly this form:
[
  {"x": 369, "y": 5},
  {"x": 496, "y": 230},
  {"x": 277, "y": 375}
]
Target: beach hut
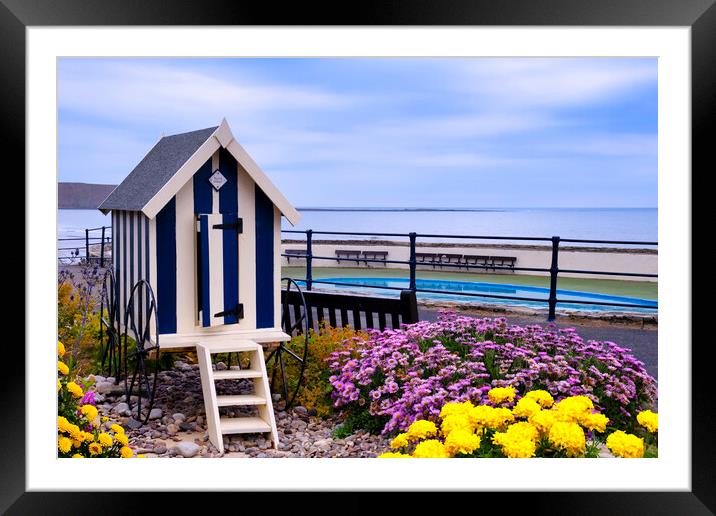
[{"x": 200, "y": 223}]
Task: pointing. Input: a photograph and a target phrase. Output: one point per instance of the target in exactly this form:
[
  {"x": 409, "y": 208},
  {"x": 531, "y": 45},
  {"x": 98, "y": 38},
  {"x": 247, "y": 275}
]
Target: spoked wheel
[
  {"x": 291, "y": 358},
  {"x": 141, "y": 351},
  {"x": 109, "y": 329}
]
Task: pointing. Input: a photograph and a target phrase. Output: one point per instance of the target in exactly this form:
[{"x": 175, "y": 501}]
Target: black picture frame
[{"x": 699, "y": 15}]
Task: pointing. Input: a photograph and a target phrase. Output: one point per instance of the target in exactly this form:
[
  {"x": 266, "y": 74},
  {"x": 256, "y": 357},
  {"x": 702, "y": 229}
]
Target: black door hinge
[
  {"x": 238, "y": 226},
  {"x": 238, "y": 311}
]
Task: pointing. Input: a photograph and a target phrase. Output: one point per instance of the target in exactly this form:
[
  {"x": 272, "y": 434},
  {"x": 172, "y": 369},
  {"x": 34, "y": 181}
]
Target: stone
[
  {"x": 276, "y": 397},
  {"x": 178, "y": 417},
  {"x": 187, "y": 427},
  {"x": 109, "y": 388},
  {"x": 120, "y": 408},
  {"x": 133, "y": 424},
  {"x": 160, "y": 449},
  {"x": 301, "y": 411},
  {"x": 172, "y": 429},
  {"x": 187, "y": 449},
  {"x": 323, "y": 443},
  {"x": 155, "y": 413},
  {"x": 220, "y": 366}
]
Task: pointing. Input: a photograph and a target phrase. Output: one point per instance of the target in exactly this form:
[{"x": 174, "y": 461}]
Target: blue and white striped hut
[{"x": 201, "y": 222}]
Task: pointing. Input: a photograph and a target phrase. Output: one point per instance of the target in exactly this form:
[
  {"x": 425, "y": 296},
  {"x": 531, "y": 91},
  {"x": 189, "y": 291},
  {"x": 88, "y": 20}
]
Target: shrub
[
  {"x": 409, "y": 374},
  {"x": 315, "y": 390},
  {"x": 80, "y": 432},
  {"x": 569, "y": 428},
  {"x": 78, "y": 322}
]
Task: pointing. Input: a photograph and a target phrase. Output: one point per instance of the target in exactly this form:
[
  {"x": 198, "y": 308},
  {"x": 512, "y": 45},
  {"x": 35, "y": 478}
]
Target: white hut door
[{"x": 218, "y": 269}]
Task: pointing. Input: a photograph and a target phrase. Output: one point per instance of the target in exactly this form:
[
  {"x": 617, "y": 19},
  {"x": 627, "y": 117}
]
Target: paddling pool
[{"x": 438, "y": 290}]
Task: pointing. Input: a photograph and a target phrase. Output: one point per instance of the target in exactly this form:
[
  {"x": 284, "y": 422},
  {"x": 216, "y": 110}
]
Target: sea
[{"x": 614, "y": 224}]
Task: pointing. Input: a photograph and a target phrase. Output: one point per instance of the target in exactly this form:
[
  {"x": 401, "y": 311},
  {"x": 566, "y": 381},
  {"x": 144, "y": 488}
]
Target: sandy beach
[{"x": 641, "y": 261}]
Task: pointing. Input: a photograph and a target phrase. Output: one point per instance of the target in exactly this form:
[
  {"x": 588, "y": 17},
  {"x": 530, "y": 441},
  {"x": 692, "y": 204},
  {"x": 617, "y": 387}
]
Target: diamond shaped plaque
[{"x": 217, "y": 180}]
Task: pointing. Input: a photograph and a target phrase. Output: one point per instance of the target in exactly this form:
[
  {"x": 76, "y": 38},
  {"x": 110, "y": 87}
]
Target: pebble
[
  {"x": 187, "y": 449},
  {"x": 155, "y": 413}
]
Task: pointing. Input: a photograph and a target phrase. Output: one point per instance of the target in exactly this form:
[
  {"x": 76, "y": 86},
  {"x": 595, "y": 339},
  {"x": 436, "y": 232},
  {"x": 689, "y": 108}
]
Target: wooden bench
[
  {"x": 357, "y": 311},
  {"x": 476, "y": 260},
  {"x": 503, "y": 260},
  {"x": 426, "y": 258},
  {"x": 449, "y": 258},
  {"x": 296, "y": 253},
  {"x": 347, "y": 254},
  {"x": 375, "y": 255}
]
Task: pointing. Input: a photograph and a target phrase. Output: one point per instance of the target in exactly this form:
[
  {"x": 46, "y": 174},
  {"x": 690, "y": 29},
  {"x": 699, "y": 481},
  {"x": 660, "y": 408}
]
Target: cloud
[
  {"x": 552, "y": 82},
  {"x": 141, "y": 91}
]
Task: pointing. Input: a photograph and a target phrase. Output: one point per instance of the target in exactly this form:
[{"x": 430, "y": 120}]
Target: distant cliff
[{"x": 81, "y": 196}]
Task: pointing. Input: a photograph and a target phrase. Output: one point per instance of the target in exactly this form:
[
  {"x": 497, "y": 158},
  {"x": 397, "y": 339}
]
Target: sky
[{"x": 403, "y": 132}]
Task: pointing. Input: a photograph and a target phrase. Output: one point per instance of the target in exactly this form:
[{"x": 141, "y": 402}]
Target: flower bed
[
  {"x": 534, "y": 427},
  {"x": 399, "y": 376},
  {"x": 81, "y": 433}
]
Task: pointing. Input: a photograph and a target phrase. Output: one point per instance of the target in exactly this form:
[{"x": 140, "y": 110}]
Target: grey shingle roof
[{"x": 155, "y": 169}]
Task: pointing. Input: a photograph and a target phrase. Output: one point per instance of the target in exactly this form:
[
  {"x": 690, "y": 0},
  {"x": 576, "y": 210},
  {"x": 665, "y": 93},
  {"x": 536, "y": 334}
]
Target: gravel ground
[{"x": 177, "y": 427}]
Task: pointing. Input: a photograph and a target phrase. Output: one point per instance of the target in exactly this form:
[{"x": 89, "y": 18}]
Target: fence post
[
  {"x": 553, "y": 272},
  {"x": 101, "y": 250},
  {"x": 87, "y": 255},
  {"x": 412, "y": 260},
  {"x": 309, "y": 259}
]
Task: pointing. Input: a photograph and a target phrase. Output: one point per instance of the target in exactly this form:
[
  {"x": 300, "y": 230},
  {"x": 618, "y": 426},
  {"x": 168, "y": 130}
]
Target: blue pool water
[{"x": 472, "y": 290}]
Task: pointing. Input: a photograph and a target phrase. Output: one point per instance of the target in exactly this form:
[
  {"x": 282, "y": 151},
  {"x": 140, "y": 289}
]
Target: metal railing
[
  {"x": 552, "y": 300},
  {"x": 103, "y": 240}
]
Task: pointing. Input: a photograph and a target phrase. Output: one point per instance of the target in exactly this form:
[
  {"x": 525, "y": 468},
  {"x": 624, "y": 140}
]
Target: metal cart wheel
[
  {"x": 109, "y": 328},
  {"x": 283, "y": 355},
  {"x": 141, "y": 356}
]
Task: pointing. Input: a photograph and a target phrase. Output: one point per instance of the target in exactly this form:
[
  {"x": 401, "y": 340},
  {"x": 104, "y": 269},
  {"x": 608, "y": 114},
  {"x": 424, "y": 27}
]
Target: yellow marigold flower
[
  {"x": 140, "y": 455},
  {"x": 501, "y": 417},
  {"x": 392, "y": 455},
  {"x": 573, "y": 409},
  {"x": 526, "y": 407},
  {"x": 649, "y": 420},
  {"x": 543, "y": 420},
  {"x": 75, "y": 432},
  {"x": 78, "y": 456},
  {"x": 89, "y": 411},
  {"x": 117, "y": 429},
  {"x": 625, "y": 445},
  {"x": 62, "y": 367},
  {"x": 595, "y": 421},
  {"x": 454, "y": 407},
  {"x": 524, "y": 430},
  {"x": 542, "y": 397},
  {"x": 75, "y": 389},
  {"x": 60, "y": 348},
  {"x": 126, "y": 452},
  {"x": 430, "y": 449},
  {"x": 499, "y": 395},
  {"x": 62, "y": 424},
  {"x": 64, "y": 444},
  {"x": 461, "y": 441},
  {"x": 456, "y": 422},
  {"x": 104, "y": 419},
  {"x": 121, "y": 439},
  {"x": 105, "y": 439},
  {"x": 59, "y": 386},
  {"x": 515, "y": 446},
  {"x": 568, "y": 437},
  {"x": 95, "y": 448},
  {"x": 421, "y": 429},
  {"x": 87, "y": 436},
  {"x": 400, "y": 441}
]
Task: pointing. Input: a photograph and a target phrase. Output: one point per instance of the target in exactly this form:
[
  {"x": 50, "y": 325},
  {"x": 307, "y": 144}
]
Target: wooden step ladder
[{"x": 261, "y": 398}]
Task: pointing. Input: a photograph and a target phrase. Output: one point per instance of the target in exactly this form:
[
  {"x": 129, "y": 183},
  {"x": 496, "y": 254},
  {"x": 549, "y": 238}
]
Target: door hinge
[
  {"x": 238, "y": 311},
  {"x": 238, "y": 226}
]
